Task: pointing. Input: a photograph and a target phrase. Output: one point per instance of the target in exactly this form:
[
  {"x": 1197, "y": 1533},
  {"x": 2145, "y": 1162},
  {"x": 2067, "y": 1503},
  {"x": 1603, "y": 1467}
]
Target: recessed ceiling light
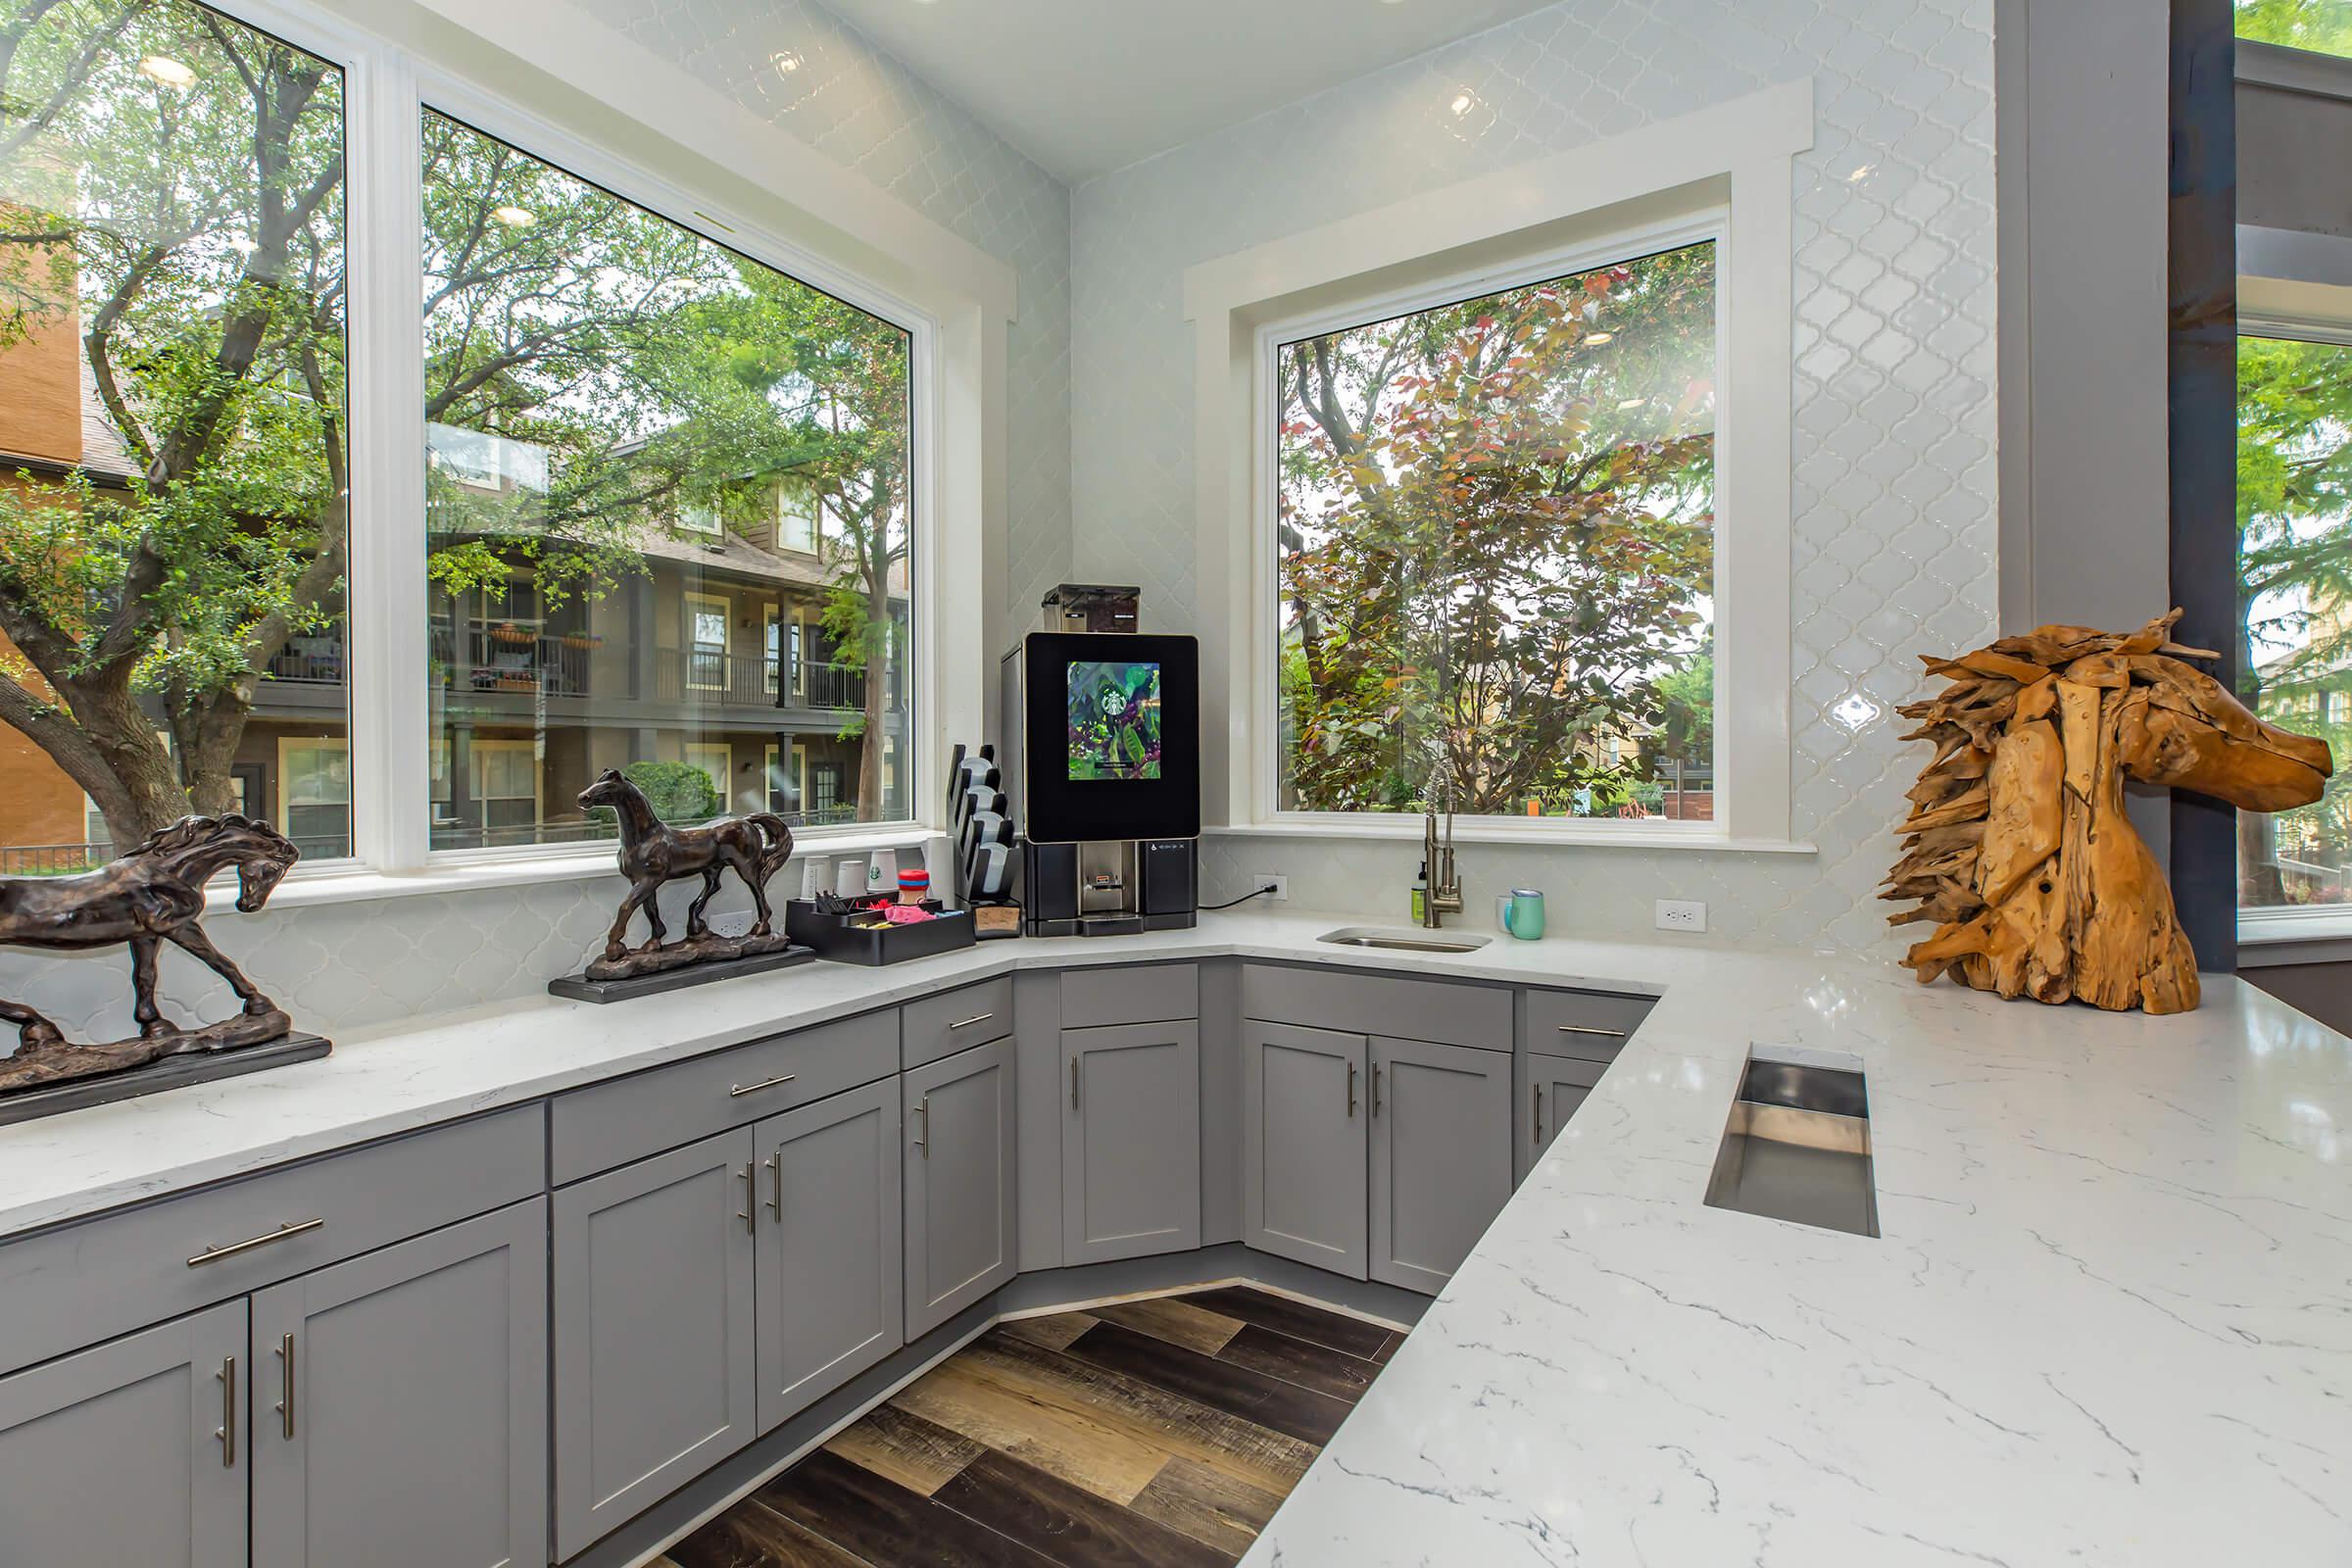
[
  {"x": 514, "y": 217},
  {"x": 168, "y": 70},
  {"x": 785, "y": 61},
  {"x": 1592, "y": 339}
]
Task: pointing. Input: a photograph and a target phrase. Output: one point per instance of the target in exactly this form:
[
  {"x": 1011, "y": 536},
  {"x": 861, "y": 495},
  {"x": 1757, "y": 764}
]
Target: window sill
[
  {"x": 481, "y": 872},
  {"x": 2267, "y": 938},
  {"x": 1534, "y": 833}
]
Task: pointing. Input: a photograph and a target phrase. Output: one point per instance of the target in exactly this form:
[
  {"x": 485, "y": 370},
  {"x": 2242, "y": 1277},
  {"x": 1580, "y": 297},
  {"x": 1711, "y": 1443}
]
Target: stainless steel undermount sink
[
  {"x": 1416, "y": 941},
  {"x": 1798, "y": 1148}
]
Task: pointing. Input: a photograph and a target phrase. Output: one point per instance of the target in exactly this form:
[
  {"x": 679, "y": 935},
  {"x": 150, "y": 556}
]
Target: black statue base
[
  {"x": 707, "y": 958},
  {"x": 193, "y": 1065}
]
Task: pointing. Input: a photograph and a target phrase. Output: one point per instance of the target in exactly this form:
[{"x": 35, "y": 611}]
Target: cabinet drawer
[
  {"x": 611, "y": 1124},
  {"x": 1147, "y": 993},
  {"x": 1591, "y": 1024},
  {"x": 1365, "y": 1003},
  {"x": 941, "y": 1025},
  {"x": 76, "y": 1285}
]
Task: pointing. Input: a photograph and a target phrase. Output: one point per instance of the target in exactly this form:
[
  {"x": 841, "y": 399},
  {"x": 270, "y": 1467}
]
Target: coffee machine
[{"x": 1108, "y": 771}]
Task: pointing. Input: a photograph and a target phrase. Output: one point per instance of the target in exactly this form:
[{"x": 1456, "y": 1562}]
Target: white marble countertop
[{"x": 2109, "y": 1318}]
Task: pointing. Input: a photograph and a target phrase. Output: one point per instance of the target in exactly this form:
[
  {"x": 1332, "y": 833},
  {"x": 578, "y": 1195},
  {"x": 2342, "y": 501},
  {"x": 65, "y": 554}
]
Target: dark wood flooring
[{"x": 1149, "y": 1434}]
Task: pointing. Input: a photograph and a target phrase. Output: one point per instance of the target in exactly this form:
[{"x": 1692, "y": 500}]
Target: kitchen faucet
[{"x": 1445, "y": 895}]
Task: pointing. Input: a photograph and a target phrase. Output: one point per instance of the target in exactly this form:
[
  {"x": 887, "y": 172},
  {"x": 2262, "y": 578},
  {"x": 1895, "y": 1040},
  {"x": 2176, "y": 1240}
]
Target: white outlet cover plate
[
  {"x": 1280, "y": 883},
  {"x": 1682, "y": 915}
]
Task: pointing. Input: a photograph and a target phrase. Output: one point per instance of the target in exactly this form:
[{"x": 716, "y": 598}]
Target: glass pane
[
  {"x": 172, "y": 407},
  {"x": 2325, "y": 25},
  {"x": 629, "y": 428},
  {"x": 2294, "y": 509},
  {"x": 1495, "y": 544}
]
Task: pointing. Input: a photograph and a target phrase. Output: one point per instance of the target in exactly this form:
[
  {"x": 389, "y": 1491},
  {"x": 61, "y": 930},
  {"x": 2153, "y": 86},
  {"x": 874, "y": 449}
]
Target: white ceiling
[{"x": 1087, "y": 86}]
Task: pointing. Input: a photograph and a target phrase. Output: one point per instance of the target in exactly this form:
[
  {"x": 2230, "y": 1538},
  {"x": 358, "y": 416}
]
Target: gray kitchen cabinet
[
  {"x": 1554, "y": 1091},
  {"x": 961, "y": 1238},
  {"x": 1303, "y": 1141},
  {"x": 655, "y": 1379},
  {"x": 1131, "y": 1141},
  {"x": 1441, "y": 1156},
  {"x": 829, "y": 1301},
  {"x": 133, "y": 1452},
  {"x": 400, "y": 1404}
]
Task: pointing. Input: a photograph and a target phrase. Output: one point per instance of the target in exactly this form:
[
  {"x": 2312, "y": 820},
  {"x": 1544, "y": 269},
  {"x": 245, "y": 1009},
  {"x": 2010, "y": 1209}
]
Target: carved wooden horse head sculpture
[{"x": 2016, "y": 843}]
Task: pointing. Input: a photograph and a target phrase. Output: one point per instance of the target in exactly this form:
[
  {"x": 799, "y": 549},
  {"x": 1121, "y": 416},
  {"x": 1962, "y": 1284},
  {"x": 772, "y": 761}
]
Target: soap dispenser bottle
[{"x": 1421, "y": 893}]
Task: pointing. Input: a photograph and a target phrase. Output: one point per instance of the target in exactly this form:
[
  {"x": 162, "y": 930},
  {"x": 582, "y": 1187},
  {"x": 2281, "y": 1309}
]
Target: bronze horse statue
[
  {"x": 653, "y": 852},
  {"x": 151, "y": 896}
]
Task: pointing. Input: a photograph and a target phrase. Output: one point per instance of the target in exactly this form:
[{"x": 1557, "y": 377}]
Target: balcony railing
[
  {"x": 749, "y": 680},
  {"x": 484, "y": 658}
]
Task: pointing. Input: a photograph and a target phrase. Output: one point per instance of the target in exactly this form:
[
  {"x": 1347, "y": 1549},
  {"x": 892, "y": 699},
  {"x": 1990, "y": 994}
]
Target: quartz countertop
[{"x": 2108, "y": 1319}]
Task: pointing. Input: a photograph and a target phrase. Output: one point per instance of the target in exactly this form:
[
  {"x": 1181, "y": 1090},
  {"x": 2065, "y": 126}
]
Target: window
[
  {"x": 2323, "y": 26},
  {"x": 506, "y": 783},
  {"x": 171, "y": 304},
  {"x": 616, "y": 406},
  {"x": 2294, "y": 502},
  {"x": 1494, "y": 551}
]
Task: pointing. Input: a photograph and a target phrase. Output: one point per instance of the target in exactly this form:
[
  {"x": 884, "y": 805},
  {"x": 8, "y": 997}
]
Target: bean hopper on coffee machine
[{"x": 1105, "y": 762}]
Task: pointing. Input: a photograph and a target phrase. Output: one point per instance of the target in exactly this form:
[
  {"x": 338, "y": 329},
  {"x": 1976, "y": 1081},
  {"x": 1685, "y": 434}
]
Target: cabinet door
[
  {"x": 1303, "y": 1145},
  {"x": 829, "y": 1303},
  {"x": 960, "y": 1241},
  {"x": 1131, "y": 1141},
  {"x": 401, "y": 1405},
  {"x": 131, "y": 1452},
  {"x": 1555, "y": 1088},
  {"x": 654, "y": 1381},
  {"x": 1441, "y": 1156}
]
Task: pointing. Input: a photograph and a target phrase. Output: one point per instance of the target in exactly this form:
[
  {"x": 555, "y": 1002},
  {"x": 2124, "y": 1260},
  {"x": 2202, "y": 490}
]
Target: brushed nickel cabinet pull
[
  {"x": 1073, "y": 1083},
  {"x": 1375, "y": 1089},
  {"x": 741, "y": 1089},
  {"x": 1588, "y": 1029},
  {"x": 775, "y": 1166},
  {"x": 286, "y": 1406},
  {"x": 968, "y": 1022},
  {"x": 1352, "y": 1090},
  {"x": 1539, "y": 1113},
  {"x": 214, "y": 1255},
  {"x": 228, "y": 1412},
  {"x": 751, "y": 1225},
  {"x": 923, "y": 1110}
]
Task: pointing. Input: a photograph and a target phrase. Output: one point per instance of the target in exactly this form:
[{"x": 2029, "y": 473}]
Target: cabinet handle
[
  {"x": 968, "y": 1022},
  {"x": 1539, "y": 1113},
  {"x": 1588, "y": 1029},
  {"x": 214, "y": 1255},
  {"x": 741, "y": 1089},
  {"x": 1352, "y": 1090},
  {"x": 775, "y": 1183},
  {"x": 923, "y": 1110},
  {"x": 1375, "y": 1089},
  {"x": 228, "y": 1412},
  {"x": 286, "y": 1406},
  {"x": 1073, "y": 1083},
  {"x": 751, "y": 1226}
]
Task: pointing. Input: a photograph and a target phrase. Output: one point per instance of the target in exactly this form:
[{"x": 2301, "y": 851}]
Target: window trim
[
  {"x": 1740, "y": 153},
  {"x": 689, "y": 646},
  {"x": 1710, "y": 225}
]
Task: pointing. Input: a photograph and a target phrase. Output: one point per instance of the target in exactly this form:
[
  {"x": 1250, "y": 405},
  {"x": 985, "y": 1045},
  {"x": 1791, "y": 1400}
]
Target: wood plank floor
[{"x": 1146, "y": 1434}]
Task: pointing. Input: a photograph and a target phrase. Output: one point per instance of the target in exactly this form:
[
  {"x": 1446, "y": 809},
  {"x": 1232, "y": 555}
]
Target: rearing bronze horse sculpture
[
  {"x": 653, "y": 852},
  {"x": 151, "y": 896}
]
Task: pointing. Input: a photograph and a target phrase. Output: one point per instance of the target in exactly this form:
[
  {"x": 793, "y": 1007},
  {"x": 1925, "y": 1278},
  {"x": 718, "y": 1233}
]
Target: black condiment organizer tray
[{"x": 835, "y": 939}]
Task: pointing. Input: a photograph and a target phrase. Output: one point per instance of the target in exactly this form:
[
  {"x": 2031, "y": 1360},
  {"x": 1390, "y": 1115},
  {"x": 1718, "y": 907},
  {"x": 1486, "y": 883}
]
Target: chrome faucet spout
[{"x": 1445, "y": 895}]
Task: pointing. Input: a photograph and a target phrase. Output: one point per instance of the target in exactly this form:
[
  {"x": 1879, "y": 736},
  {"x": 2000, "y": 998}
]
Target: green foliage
[
  {"x": 2325, "y": 25},
  {"x": 1495, "y": 536},
  {"x": 679, "y": 792}
]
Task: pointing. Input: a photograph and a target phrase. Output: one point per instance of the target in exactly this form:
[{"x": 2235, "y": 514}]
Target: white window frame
[
  {"x": 1735, "y": 160},
  {"x": 953, "y": 300},
  {"x": 2309, "y": 933},
  {"x": 1711, "y": 226},
  {"x": 689, "y": 646}
]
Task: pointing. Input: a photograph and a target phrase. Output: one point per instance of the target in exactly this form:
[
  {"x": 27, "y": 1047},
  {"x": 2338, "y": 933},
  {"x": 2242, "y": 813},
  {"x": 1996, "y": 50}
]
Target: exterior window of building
[
  {"x": 591, "y": 443},
  {"x": 173, "y": 523},
  {"x": 315, "y": 791},
  {"x": 505, "y": 780},
  {"x": 2294, "y": 504},
  {"x": 715, "y": 758},
  {"x": 1495, "y": 551}
]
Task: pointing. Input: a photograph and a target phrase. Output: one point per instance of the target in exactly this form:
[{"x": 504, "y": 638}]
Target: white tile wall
[{"x": 1893, "y": 384}]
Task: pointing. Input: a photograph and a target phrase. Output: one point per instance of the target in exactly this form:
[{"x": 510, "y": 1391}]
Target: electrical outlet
[
  {"x": 1682, "y": 915},
  {"x": 1279, "y": 883}
]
